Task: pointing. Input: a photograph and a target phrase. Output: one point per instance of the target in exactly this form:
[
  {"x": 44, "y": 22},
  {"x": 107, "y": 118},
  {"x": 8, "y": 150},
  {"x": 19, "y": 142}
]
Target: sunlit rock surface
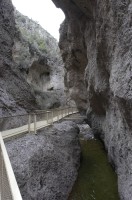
[{"x": 95, "y": 42}]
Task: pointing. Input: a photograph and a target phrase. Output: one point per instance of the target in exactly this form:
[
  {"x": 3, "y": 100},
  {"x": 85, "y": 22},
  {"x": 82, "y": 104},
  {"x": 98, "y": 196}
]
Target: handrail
[
  {"x": 11, "y": 180},
  {"x": 34, "y": 111},
  {"x": 8, "y": 186},
  {"x": 58, "y": 113},
  {"x": 49, "y": 110}
]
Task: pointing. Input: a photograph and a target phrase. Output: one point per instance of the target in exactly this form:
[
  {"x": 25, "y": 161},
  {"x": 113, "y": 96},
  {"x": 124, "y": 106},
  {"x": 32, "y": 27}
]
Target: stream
[{"x": 96, "y": 178}]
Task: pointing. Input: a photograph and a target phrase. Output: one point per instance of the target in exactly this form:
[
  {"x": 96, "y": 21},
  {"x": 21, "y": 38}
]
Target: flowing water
[{"x": 96, "y": 178}]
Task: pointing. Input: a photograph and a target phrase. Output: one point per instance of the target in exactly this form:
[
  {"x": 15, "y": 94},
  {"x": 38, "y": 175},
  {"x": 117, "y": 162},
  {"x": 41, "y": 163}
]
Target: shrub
[{"x": 32, "y": 37}]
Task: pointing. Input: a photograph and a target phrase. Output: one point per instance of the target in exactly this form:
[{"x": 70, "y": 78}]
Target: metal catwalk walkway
[{"x": 34, "y": 121}]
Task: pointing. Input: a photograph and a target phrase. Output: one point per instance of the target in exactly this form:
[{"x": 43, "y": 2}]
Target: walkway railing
[
  {"x": 8, "y": 186},
  {"x": 38, "y": 119}
]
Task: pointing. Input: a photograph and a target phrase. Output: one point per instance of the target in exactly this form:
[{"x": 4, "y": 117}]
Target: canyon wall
[
  {"x": 95, "y": 41},
  {"x": 38, "y": 58},
  {"x": 31, "y": 68},
  {"x": 15, "y": 93}
]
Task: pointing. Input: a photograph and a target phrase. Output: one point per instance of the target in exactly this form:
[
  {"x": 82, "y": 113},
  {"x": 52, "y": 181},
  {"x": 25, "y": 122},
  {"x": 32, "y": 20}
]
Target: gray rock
[
  {"x": 46, "y": 164},
  {"x": 38, "y": 57},
  {"x": 86, "y": 132},
  {"x": 31, "y": 69},
  {"x": 16, "y": 96},
  {"x": 95, "y": 42}
]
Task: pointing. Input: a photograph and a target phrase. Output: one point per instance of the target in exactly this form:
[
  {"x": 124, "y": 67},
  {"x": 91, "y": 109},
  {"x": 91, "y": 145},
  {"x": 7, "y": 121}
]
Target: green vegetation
[
  {"x": 38, "y": 39},
  {"x": 42, "y": 47},
  {"x": 33, "y": 37}
]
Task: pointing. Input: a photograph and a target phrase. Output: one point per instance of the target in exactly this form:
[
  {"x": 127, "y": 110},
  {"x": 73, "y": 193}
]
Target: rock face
[
  {"x": 37, "y": 56},
  {"x": 48, "y": 162},
  {"x": 31, "y": 68},
  {"x": 15, "y": 93},
  {"x": 96, "y": 47}
]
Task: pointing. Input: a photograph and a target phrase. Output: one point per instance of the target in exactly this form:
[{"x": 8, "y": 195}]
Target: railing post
[
  {"x": 52, "y": 116},
  {"x": 70, "y": 110},
  {"x": 58, "y": 114},
  {"x": 65, "y": 111},
  {"x": 29, "y": 123},
  {"x": 35, "y": 132},
  {"x": 9, "y": 188},
  {"x": 1, "y": 177},
  {"x": 47, "y": 117}
]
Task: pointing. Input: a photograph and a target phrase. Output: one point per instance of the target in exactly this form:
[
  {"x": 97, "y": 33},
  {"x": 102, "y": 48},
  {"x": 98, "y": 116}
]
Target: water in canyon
[{"x": 96, "y": 179}]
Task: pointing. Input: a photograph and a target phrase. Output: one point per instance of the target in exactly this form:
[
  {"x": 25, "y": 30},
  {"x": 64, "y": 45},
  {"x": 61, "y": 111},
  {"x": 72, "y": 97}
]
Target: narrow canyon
[{"x": 90, "y": 68}]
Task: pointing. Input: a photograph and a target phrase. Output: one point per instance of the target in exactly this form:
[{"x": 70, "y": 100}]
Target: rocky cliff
[
  {"x": 31, "y": 69},
  {"x": 95, "y": 42},
  {"x": 37, "y": 56},
  {"x": 15, "y": 93},
  {"x": 96, "y": 47}
]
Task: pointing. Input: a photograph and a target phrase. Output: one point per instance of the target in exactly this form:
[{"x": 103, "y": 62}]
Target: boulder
[{"x": 46, "y": 164}]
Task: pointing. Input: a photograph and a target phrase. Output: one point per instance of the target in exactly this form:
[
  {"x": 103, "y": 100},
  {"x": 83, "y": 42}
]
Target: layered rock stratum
[{"x": 95, "y": 41}]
